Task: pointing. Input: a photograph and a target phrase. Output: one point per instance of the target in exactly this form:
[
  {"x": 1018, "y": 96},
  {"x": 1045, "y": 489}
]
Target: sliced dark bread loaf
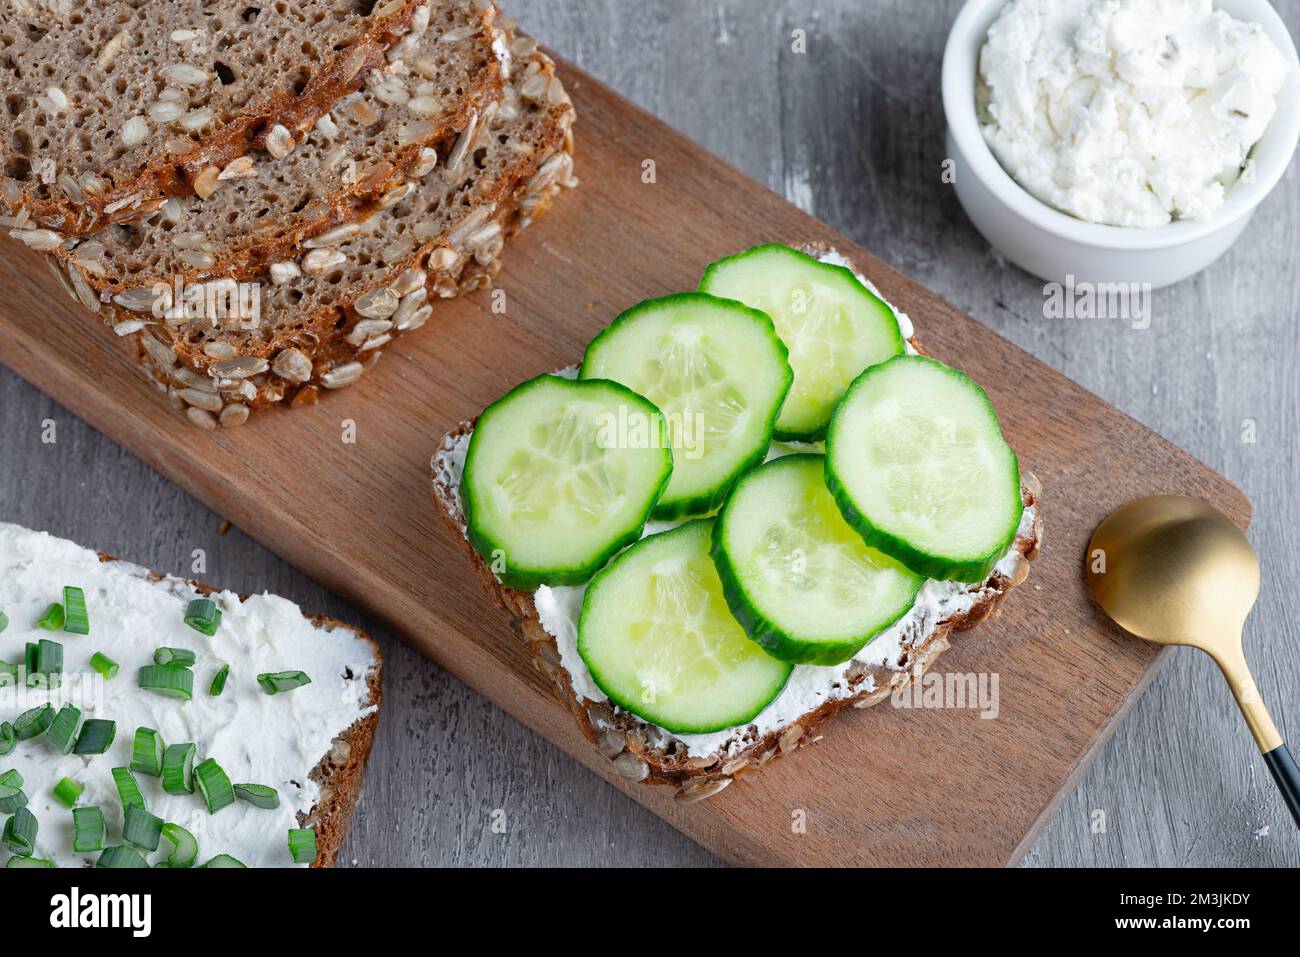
[
  {"x": 643, "y": 752},
  {"x": 327, "y": 313},
  {"x": 405, "y": 120},
  {"x": 113, "y": 106}
]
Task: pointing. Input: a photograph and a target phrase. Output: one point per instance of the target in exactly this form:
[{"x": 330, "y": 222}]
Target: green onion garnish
[
  {"x": 63, "y": 729},
  {"x": 17, "y": 862},
  {"x": 282, "y": 681},
  {"x": 174, "y": 656},
  {"x": 105, "y": 665},
  {"x": 9, "y": 671},
  {"x": 258, "y": 795},
  {"x": 52, "y": 620},
  {"x": 219, "y": 681},
  {"x": 68, "y": 791},
  {"x": 88, "y": 829},
  {"x": 49, "y": 662},
  {"x": 4, "y": 621},
  {"x": 170, "y": 681},
  {"x": 127, "y": 788},
  {"x": 147, "y": 752},
  {"x": 8, "y": 739},
  {"x": 96, "y": 736},
  {"x": 76, "y": 622},
  {"x": 31, "y": 723},
  {"x": 29, "y": 662},
  {"x": 141, "y": 828},
  {"x": 121, "y": 856},
  {"x": 20, "y": 833},
  {"x": 214, "y": 786},
  {"x": 203, "y": 616},
  {"x": 178, "y": 769},
  {"x": 12, "y": 797},
  {"x": 11, "y": 792},
  {"x": 185, "y": 848},
  {"x": 225, "y": 860},
  {"x": 302, "y": 844}
]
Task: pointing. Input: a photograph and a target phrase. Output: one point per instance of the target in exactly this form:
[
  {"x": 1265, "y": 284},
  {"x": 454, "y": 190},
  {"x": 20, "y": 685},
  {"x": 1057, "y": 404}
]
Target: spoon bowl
[{"x": 1175, "y": 571}]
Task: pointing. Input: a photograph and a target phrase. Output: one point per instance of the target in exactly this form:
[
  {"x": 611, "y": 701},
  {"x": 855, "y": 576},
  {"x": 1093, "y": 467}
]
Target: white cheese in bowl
[{"x": 1126, "y": 112}]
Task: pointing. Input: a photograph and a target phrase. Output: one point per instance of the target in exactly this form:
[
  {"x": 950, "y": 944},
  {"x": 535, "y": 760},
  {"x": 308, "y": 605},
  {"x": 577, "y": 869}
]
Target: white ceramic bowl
[{"x": 1053, "y": 245}]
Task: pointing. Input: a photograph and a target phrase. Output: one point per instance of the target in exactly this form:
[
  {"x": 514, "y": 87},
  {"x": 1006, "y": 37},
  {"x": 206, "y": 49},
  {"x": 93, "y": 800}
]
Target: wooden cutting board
[{"x": 884, "y": 786}]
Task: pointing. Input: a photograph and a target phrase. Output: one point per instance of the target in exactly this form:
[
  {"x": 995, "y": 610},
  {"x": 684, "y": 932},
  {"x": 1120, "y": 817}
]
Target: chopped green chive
[
  {"x": 49, "y": 662},
  {"x": 20, "y": 833},
  {"x": 63, "y": 729},
  {"x": 96, "y": 736},
  {"x": 147, "y": 752},
  {"x": 282, "y": 681},
  {"x": 203, "y": 616},
  {"x": 9, "y": 671},
  {"x": 141, "y": 828},
  {"x": 12, "y": 797},
  {"x": 30, "y": 651},
  {"x": 121, "y": 856},
  {"x": 4, "y": 621},
  {"x": 214, "y": 786},
  {"x": 178, "y": 769},
  {"x": 8, "y": 739},
  {"x": 105, "y": 665},
  {"x": 52, "y": 620},
  {"x": 258, "y": 795},
  {"x": 219, "y": 682},
  {"x": 76, "y": 621},
  {"x": 31, "y": 723},
  {"x": 17, "y": 862},
  {"x": 185, "y": 848},
  {"x": 127, "y": 788},
  {"x": 68, "y": 791},
  {"x": 225, "y": 860},
  {"x": 88, "y": 830},
  {"x": 170, "y": 681},
  {"x": 302, "y": 845},
  {"x": 174, "y": 656},
  {"x": 11, "y": 792}
]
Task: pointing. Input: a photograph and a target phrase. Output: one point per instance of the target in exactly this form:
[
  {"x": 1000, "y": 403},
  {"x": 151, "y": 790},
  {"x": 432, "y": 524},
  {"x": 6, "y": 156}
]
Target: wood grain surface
[
  {"x": 930, "y": 787},
  {"x": 852, "y": 131}
]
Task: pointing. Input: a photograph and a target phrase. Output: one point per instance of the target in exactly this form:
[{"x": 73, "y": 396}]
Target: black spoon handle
[{"x": 1282, "y": 766}]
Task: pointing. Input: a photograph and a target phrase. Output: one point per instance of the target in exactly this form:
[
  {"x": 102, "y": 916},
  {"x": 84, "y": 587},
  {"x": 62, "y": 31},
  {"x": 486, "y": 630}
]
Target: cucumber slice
[
  {"x": 658, "y": 639},
  {"x": 833, "y": 326},
  {"x": 799, "y": 580},
  {"x": 916, "y": 461},
  {"x": 559, "y": 476},
  {"x": 718, "y": 372}
]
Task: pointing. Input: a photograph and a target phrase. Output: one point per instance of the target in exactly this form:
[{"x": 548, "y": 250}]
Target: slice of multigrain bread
[
  {"x": 352, "y": 698},
  {"x": 701, "y": 766},
  {"x": 354, "y": 161},
  {"x": 327, "y": 316},
  {"x": 114, "y": 106}
]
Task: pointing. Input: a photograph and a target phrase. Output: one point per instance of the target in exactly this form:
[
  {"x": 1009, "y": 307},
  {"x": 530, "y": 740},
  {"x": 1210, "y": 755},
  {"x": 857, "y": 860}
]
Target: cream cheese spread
[
  {"x": 559, "y": 608},
  {"x": 1127, "y": 112},
  {"x": 256, "y": 738}
]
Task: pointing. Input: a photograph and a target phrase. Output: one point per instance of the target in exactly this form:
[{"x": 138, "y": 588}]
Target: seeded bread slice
[
  {"x": 330, "y": 314},
  {"x": 353, "y": 162},
  {"x": 114, "y": 106},
  {"x": 339, "y": 772},
  {"x": 643, "y": 752}
]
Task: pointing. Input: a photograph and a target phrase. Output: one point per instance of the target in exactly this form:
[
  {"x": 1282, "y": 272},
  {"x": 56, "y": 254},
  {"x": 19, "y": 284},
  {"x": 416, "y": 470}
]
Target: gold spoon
[{"x": 1177, "y": 572}]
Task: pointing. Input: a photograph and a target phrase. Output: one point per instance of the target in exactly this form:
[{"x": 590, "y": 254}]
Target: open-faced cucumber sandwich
[{"x": 750, "y": 507}]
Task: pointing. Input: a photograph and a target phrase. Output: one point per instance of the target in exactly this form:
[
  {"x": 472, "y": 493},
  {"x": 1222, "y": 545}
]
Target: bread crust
[
  {"x": 165, "y": 175},
  {"x": 646, "y": 754},
  {"x": 339, "y": 773}
]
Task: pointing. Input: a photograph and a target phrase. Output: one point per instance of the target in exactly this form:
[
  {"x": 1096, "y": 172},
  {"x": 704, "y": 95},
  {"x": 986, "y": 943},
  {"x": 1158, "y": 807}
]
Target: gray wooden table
[{"x": 852, "y": 131}]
